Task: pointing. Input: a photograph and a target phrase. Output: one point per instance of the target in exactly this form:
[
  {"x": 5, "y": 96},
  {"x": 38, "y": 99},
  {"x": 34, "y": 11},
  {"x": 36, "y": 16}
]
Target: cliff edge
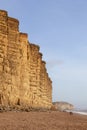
[{"x": 23, "y": 76}]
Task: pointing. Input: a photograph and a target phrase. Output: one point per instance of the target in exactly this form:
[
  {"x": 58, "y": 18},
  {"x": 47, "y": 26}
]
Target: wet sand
[{"x": 42, "y": 121}]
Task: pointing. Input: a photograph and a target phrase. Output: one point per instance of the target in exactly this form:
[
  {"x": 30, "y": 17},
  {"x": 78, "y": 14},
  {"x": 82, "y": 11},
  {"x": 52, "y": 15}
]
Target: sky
[{"x": 59, "y": 27}]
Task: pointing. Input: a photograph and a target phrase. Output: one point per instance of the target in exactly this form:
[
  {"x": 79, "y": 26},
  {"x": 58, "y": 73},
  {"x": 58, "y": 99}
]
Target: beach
[{"x": 48, "y": 120}]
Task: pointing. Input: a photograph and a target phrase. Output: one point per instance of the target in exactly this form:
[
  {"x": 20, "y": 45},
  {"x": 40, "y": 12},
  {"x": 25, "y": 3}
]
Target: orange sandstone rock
[{"x": 23, "y": 76}]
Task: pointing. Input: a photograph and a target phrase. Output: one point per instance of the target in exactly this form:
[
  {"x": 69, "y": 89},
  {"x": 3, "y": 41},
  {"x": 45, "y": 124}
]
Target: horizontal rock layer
[{"x": 23, "y": 76}]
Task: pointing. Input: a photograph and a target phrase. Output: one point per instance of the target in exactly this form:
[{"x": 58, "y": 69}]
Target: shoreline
[{"x": 77, "y": 112}]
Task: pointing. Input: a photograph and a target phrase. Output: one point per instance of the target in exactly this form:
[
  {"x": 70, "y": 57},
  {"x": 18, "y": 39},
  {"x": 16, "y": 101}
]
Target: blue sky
[{"x": 60, "y": 28}]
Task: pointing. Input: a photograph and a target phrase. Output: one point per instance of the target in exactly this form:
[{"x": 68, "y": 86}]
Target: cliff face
[{"x": 23, "y": 76}]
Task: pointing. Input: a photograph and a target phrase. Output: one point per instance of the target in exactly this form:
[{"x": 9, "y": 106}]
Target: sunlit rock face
[
  {"x": 23, "y": 76},
  {"x": 62, "y": 106}
]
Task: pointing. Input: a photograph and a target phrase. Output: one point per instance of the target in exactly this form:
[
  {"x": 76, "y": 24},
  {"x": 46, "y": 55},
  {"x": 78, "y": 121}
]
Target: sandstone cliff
[{"x": 23, "y": 76}]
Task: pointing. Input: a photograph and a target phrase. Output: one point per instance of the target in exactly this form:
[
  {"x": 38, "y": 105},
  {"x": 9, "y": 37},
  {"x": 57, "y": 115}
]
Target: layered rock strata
[{"x": 23, "y": 76}]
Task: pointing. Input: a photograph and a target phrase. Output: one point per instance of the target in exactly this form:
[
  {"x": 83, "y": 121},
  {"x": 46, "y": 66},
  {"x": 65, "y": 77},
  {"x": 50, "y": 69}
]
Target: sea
[{"x": 78, "y": 111}]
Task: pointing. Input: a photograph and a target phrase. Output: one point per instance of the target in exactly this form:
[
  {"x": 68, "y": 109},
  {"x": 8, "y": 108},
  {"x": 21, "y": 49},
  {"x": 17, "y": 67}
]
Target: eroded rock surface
[{"x": 23, "y": 76}]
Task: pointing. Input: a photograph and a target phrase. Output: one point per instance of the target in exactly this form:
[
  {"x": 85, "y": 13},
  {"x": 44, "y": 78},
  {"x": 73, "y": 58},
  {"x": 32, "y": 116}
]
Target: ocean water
[{"x": 82, "y": 112}]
